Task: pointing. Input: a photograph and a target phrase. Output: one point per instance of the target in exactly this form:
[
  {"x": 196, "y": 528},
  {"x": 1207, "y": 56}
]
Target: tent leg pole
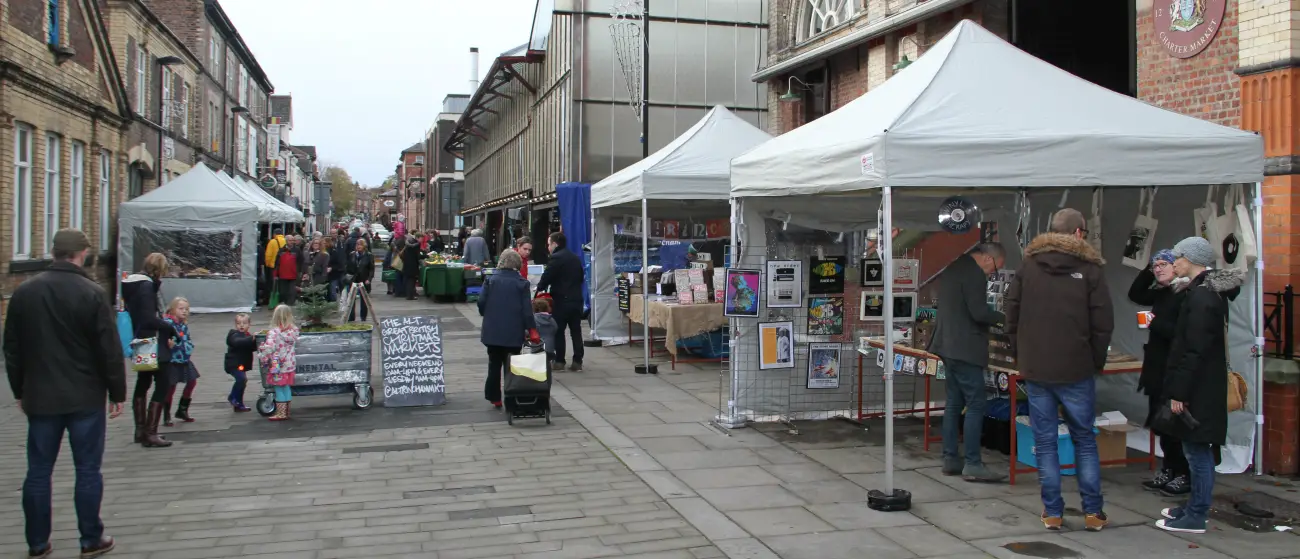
[
  {"x": 646, "y": 367},
  {"x": 892, "y": 498},
  {"x": 1258, "y": 303},
  {"x": 730, "y": 419}
]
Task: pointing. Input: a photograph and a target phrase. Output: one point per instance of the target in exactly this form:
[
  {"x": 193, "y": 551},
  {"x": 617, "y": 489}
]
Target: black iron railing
[{"x": 1279, "y": 323}]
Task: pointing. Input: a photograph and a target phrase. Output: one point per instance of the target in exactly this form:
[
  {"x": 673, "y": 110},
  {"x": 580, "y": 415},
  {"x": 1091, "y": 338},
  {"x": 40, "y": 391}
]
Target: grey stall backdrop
[{"x": 919, "y": 208}]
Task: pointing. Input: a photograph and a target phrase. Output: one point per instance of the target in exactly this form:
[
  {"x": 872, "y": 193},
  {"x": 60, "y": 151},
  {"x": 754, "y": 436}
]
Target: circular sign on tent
[
  {"x": 958, "y": 215},
  {"x": 1186, "y": 27},
  {"x": 267, "y": 181}
]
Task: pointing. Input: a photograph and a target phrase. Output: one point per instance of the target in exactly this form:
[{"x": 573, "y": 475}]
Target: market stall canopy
[
  {"x": 281, "y": 212},
  {"x": 202, "y": 193},
  {"x": 975, "y": 111},
  {"x": 695, "y": 166}
]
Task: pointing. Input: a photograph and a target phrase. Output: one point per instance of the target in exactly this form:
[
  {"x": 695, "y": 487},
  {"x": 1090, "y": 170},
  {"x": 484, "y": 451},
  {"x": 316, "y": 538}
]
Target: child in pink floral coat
[{"x": 277, "y": 353}]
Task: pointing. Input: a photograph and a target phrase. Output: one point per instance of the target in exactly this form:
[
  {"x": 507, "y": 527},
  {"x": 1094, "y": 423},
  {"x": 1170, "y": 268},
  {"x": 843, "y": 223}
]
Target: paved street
[{"x": 629, "y": 469}]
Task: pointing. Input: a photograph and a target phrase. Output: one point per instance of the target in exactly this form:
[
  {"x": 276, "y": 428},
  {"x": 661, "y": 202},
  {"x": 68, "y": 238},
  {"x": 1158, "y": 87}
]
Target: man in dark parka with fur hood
[{"x": 1060, "y": 319}]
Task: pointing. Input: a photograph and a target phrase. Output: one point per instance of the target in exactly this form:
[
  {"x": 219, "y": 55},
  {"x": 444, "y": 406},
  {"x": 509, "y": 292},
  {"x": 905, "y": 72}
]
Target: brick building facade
[
  {"x": 411, "y": 187},
  {"x": 62, "y": 114}
]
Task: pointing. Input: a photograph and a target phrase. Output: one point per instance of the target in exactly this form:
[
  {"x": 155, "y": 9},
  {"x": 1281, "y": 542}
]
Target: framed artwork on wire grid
[
  {"x": 826, "y": 276},
  {"x": 825, "y": 316},
  {"x": 873, "y": 307},
  {"x": 784, "y": 284},
  {"x": 823, "y": 365},
  {"x": 741, "y": 295},
  {"x": 775, "y": 345}
]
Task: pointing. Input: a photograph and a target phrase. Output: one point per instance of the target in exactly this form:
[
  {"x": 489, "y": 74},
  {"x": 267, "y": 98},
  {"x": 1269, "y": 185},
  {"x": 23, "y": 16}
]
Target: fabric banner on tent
[{"x": 574, "y": 201}]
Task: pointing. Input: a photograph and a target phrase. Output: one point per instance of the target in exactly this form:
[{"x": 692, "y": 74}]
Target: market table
[
  {"x": 678, "y": 321},
  {"x": 1117, "y": 367},
  {"x": 1122, "y": 366}
]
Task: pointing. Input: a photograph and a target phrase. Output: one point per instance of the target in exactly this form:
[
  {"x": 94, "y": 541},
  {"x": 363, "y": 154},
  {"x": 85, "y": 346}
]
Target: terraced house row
[{"x": 104, "y": 100}]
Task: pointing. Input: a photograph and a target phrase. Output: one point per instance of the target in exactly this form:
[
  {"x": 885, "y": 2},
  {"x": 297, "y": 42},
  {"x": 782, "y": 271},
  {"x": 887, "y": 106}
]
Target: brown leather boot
[
  {"x": 139, "y": 409},
  {"x": 151, "y": 438}
]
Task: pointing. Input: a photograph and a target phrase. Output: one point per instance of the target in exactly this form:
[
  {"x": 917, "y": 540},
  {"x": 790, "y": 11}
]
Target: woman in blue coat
[{"x": 507, "y": 310}]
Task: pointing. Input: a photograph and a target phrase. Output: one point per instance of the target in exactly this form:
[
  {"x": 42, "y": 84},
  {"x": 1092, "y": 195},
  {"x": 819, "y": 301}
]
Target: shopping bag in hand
[{"x": 529, "y": 365}]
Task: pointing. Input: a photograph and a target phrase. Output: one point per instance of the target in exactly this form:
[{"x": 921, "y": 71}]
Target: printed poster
[
  {"x": 784, "y": 284},
  {"x": 776, "y": 345},
  {"x": 741, "y": 295},
  {"x": 823, "y": 365},
  {"x": 825, "y": 316},
  {"x": 826, "y": 276}
]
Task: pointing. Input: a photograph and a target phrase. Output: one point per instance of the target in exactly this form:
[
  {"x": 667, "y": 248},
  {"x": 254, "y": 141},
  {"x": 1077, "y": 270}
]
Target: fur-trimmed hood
[
  {"x": 1058, "y": 253},
  {"x": 1225, "y": 282}
]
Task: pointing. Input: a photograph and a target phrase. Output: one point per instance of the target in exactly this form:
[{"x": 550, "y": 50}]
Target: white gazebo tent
[
  {"x": 978, "y": 117},
  {"x": 207, "y": 227},
  {"x": 689, "y": 177}
]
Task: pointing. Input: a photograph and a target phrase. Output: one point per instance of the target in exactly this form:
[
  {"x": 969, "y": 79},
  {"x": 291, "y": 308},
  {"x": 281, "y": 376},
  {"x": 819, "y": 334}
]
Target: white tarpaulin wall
[
  {"x": 207, "y": 227},
  {"x": 690, "y": 178},
  {"x": 976, "y": 112}
]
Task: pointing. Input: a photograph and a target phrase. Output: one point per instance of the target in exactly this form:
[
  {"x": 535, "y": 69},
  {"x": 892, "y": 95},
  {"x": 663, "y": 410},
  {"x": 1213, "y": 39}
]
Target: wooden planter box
[{"x": 328, "y": 363}]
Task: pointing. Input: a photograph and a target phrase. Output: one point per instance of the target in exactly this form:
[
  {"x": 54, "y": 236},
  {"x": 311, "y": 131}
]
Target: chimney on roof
[{"x": 473, "y": 69}]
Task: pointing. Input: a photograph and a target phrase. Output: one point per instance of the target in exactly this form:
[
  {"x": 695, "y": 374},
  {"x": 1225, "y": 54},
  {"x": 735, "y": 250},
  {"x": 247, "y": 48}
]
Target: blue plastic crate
[
  {"x": 1025, "y": 447},
  {"x": 709, "y": 345}
]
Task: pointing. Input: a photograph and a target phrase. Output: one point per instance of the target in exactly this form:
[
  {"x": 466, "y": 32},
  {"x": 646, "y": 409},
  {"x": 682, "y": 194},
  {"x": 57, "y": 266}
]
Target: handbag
[
  {"x": 1236, "y": 383},
  {"x": 389, "y": 276},
  {"x": 397, "y": 263},
  {"x": 1203, "y": 215},
  {"x": 1249, "y": 251},
  {"x": 1094, "y": 222},
  {"x": 145, "y": 354},
  {"x": 1137, "y": 250},
  {"x": 125, "y": 332},
  {"x": 1225, "y": 236}
]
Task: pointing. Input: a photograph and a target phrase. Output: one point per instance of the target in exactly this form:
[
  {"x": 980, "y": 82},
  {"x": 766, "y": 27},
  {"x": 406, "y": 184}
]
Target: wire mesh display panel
[{"x": 824, "y": 328}]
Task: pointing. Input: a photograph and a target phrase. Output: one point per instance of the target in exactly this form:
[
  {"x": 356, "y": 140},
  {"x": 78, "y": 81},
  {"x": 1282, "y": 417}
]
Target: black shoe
[
  {"x": 105, "y": 545},
  {"x": 1177, "y": 487},
  {"x": 575, "y": 367},
  {"x": 1162, "y": 478},
  {"x": 42, "y": 553}
]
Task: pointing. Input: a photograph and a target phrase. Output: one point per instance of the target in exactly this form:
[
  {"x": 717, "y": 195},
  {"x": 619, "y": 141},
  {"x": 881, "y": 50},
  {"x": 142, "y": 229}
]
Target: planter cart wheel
[
  {"x": 265, "y": 405},
  {"x": 364, "y": 396},
  {"x": 548, "y": 415}
]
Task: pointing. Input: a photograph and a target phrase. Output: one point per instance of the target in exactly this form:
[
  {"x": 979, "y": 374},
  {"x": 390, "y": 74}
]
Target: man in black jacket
[
  {"x": 64, "y": 360},
  {"x": 563, "y": 278},
  {"x": 962, "y": 340}
]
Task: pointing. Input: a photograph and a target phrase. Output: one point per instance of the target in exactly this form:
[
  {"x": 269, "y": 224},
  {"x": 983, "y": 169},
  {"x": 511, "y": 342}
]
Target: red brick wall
[
  {"x": 1203, "y": 86},
  {"x": 186, "y": 19},
  {"x": 1281, "y": 429},
  {"x": 79, "y": 37},
  {"x": 28, "y": 16}
]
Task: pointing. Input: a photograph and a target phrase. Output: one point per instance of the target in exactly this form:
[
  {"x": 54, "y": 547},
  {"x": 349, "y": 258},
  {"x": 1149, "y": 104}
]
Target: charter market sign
[{"x": 1186, "y": 27}]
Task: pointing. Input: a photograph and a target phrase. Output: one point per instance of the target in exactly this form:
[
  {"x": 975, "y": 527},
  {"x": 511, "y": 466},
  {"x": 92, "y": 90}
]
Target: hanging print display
[
  {"x": 823, "y": 366},
  {"x": 825, "y": 316},
  {"x": 742, "y": 298},
  {"x": 907, "y": 273},
  {"x": 873, "y": 272},
  {"x": 775, "y": 345},
  {"x": 826, "y": 276},
  {"x": 784, "y": 284},
  {"x": 873, "y": 307},
  {"x": 1137, "y": 250}
]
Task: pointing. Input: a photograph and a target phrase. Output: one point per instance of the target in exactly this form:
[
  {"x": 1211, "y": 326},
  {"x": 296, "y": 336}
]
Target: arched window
[{"x": 817, "y": 16}]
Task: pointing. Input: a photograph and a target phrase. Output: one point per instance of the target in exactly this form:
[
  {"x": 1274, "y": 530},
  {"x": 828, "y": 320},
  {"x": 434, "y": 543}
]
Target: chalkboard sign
[
  {"x": 412, "y": 361},
  {"x": 624, "y": 294}
]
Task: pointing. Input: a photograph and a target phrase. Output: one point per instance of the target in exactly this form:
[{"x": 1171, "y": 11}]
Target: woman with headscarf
[{"x": 1159, "y": 288}]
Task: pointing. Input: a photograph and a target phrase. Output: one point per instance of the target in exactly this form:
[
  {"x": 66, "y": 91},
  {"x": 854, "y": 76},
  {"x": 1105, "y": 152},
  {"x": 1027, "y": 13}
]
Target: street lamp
[
  {"x": 231, "y": 156},
  {"x": 163, "y": 126},
  {"x": 790, "y": 96}
]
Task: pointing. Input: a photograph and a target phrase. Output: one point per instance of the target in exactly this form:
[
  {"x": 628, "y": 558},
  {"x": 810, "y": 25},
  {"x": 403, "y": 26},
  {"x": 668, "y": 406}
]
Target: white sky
[{"x": 368, "y": 78}]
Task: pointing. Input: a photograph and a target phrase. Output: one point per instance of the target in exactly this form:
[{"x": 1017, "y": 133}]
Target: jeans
[
  {"x": 409, "y": 287},
  {"x": 574, "y": 324},
  {"x": 237, "y": 391},
  {"x": 283, "y": 394},
  {"x": 1200, "y": 457},
  {"x": 86, "y": 433},
  {"x": 162, "y": 381},
  {"x": 288, "y": 291},
  {"x": 1078, "y": 400},
  {"x": 498, "y": 359},
  {"x": 352, "y": 314},
  {"x": 334, "y": 290},
  {"x": 965, "y": 387}
]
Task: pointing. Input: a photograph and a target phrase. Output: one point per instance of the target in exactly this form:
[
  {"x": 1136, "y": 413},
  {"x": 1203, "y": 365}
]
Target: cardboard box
[{"x": 1112, "y": 443}]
